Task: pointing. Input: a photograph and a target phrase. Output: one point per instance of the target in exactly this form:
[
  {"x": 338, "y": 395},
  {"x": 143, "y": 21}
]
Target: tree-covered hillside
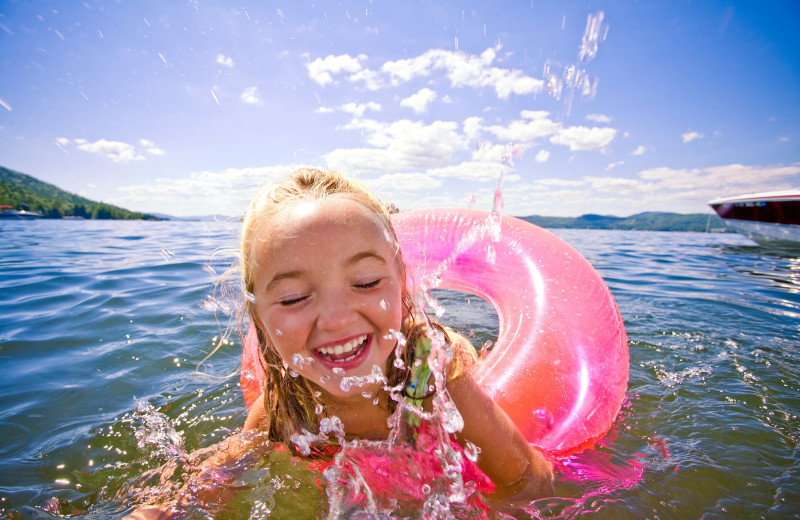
[
  {"x": 22, "y": 191},
  {"x": 649, "y": 221}
]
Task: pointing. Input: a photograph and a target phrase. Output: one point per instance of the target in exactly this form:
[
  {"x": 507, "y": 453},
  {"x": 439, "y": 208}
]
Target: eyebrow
[
  {"x": 365, "y": 254},
  {"x": 350, "y": 261},
  {"x": 283, "y": 276}
]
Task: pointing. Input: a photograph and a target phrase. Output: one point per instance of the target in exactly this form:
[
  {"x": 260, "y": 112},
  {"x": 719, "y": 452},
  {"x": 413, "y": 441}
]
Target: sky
[{"x": 187, "y": 107}]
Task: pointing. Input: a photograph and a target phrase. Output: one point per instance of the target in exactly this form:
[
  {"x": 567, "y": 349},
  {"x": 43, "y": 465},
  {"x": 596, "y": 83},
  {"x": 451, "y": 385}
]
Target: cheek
[
  {"x": 394, "y": 308},
  {"x": 279, "y": 328}
]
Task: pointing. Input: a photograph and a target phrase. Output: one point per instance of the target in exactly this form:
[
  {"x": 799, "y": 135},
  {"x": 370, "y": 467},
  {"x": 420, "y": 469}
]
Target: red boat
[{"x": 766, "y": 218}]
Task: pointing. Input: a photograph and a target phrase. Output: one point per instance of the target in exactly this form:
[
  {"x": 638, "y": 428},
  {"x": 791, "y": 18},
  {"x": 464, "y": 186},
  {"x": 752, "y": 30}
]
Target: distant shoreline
[{"x": 648, "y": 221}]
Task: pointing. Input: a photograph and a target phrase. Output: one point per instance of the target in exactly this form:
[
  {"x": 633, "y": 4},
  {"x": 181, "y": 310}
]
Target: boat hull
[{"x": 766, "y": 218}]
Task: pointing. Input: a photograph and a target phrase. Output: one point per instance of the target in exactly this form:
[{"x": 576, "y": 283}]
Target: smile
[{"x": 344, "y": 352}]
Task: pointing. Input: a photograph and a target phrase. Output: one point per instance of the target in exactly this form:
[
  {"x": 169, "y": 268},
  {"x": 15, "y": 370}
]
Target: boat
[
  {"x": 20, "y": 214},
  {"x": 770, "y": 218}
]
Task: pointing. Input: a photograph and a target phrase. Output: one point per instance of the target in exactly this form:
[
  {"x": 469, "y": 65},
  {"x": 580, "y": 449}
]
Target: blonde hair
[{"x": 290, "y": 402}]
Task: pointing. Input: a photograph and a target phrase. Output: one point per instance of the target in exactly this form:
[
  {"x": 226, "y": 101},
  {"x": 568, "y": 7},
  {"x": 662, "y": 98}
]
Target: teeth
[{"x": 338, "y": 350}]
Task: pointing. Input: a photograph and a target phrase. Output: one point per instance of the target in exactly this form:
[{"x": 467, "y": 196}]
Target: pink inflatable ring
[{"x": 559, "y": 368}]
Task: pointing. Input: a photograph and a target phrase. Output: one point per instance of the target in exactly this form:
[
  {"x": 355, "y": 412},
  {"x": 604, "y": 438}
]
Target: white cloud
[
  {"x": 640, "y": 150},
  {"x": 599, "y": 118},
  {"x": 688, "y": 137},
  {"x": 462, "y": 69},
  {"x": 322, "y": 70},
  {"x": 542, "y": 156},
  {"x": 419, "y": 102},
  {"x": 476, "y": 171},
  {"x": 250, "y": 96},
  {"x": 225, "y": 61},
  {"x": 487, "y": 152},
  {"x": 472, "y": 127},
  {"x": 393, "y": 182},
  {"x": 226, "y": 193},
  {"x": 537, "y": 125},
  {"x": 613, "y": 165},
  {"x": 730, "y": 178},
  {"x": 117, "y": 151},
  {"x": 371, "y": 79},
  {"x": 581, "y": 138},
  {"x": 358, "y": 109},
  {"x": 151, "y": 147},
  {"x": 398, "y": 146}
]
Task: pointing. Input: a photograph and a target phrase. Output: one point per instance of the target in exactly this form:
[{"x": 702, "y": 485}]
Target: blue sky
[{"x": 187, "y": 107}]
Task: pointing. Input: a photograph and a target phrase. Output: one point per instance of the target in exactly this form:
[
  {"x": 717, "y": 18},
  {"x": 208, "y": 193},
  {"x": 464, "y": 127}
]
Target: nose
[{"x": 336, "y": 312}]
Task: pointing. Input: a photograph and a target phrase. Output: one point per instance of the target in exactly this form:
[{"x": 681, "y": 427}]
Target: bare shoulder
[
  {"x": 257, "y": 418},
  {"x": 512, "y": 464},
  {"x": 464, "y": 359}
]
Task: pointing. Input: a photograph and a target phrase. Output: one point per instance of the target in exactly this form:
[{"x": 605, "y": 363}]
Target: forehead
[{"x": 313, "y": 221}]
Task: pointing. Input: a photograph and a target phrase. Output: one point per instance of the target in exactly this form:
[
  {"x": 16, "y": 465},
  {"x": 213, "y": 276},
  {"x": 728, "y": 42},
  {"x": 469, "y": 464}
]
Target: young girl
[{"x": 326, "y": 291}]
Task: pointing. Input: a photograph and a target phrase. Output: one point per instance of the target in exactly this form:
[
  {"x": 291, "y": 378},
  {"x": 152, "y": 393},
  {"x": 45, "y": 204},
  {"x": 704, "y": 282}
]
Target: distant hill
[
  {"x": 22, "y": 191},
  {"x": 648, "y": 221}
]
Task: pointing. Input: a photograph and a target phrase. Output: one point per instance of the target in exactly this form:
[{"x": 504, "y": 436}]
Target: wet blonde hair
[{"x": 290, "y": 402}]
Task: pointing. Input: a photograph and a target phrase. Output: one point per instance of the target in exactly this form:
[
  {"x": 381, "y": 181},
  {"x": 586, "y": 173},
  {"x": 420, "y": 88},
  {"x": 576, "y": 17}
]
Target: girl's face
[{"x": 327, "y": 290}]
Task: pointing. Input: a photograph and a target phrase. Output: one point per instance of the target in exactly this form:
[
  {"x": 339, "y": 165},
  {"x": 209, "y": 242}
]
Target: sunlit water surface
[{"x": 98, "y": 318}]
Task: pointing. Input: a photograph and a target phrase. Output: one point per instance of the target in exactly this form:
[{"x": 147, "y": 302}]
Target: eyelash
[
  {"x": 363, "y": 286},
  {"x": 291, "y": 301},
  {"x": 368, "y": 285}
]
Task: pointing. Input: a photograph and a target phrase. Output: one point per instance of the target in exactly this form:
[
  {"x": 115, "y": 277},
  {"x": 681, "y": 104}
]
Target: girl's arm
[
  {"x": 515, "y": 467},
  {"x": 216, "y": 467}
]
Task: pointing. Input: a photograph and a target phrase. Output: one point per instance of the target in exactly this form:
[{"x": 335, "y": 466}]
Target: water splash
[
  {"x": 215, "y": 305},
  {"x": 374, "y": 377},
  {"x": 574, "y": 77},
  {"x": 301, "y": 361},
  {"x": 155, "y": 434}
]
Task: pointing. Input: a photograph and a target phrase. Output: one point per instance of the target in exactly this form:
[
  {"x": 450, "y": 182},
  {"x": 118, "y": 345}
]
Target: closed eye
[
  {"x": 368, "y": 285},
  {"x": 286, "y": 302}
]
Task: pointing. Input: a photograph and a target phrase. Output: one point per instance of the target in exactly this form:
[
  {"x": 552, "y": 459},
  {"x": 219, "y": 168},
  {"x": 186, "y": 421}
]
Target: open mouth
[{"x": 346, "y": 351}]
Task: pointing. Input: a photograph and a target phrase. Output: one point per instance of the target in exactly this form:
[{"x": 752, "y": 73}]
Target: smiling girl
[{"x": 326, "y": 287}]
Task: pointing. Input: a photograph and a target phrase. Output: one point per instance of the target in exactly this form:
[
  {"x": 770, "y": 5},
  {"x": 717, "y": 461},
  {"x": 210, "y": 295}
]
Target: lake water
[{"x": 98, "y": 317}]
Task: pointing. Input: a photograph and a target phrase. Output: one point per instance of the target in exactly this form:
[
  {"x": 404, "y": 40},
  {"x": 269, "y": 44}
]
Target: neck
[{"x": 360, "y": 417}]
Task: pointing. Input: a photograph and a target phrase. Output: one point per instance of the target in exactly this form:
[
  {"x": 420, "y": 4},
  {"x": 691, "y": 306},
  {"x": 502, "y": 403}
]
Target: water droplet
[
  {"x": 278, "y": 332},
  {"x": 426, "y": 489},
  {"x": 396, "y": 335},
  {"x": 318, "y": 409},
  {"x": 292, "y": 373},
  {"x": 338, "y": 371},
  {"x": 485, "y": 348},
  {"x": 491, "y": 255},
  {"x": 324, "y": 379},
  {"x": 471, "y": 451},
  {"x": 384, "y": 305},
  {"x": 399, "y": 363},
  {"x": 366, "y": 395},
  {"x": 214, "y": 305}
]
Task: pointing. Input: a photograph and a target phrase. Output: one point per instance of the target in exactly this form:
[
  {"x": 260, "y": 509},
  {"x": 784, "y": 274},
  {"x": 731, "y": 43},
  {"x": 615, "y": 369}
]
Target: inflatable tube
[{"x": 559, "y": 368}]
